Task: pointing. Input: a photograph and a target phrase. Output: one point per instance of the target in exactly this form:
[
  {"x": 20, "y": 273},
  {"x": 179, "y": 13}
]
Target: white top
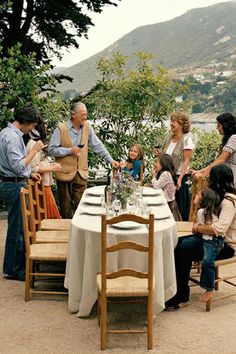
[
  {"x": 201, "y": 221},
  {"x": 166, "y": 183},
  {"x": 188, "y": 144},
  {"x": 38, "y": 162},
  {"x": 230, "y": 147}
]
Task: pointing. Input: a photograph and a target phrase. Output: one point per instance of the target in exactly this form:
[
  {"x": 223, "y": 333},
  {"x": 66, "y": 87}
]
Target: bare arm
[
  {"x": 36, "y": 148},
  {"x": 220, "y": 159},
  {"x": 186, "y": 157}
]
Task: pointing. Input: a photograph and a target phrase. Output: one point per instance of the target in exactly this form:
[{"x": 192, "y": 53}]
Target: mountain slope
[{"x": 197, "y": 37}]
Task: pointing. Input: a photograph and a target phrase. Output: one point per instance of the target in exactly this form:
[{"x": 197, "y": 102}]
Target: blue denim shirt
[
  {"x": 12, "y": 153},
  {"x": 55, "y": 149}
]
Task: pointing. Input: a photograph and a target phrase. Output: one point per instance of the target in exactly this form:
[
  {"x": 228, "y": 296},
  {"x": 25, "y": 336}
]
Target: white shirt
[{"x": 188, "y": 144}]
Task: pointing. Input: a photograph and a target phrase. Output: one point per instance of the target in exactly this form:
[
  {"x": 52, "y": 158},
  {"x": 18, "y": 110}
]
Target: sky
[{"x": 114, "y": 22}]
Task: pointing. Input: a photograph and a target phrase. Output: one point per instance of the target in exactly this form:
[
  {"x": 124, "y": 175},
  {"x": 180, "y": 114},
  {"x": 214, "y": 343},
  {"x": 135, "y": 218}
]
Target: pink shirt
[{"x": 166, "y": 183}]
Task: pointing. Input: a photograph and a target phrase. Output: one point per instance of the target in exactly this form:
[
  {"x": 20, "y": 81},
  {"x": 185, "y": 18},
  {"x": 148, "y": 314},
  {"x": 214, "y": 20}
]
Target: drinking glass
[{"x": 116, "y": 206}]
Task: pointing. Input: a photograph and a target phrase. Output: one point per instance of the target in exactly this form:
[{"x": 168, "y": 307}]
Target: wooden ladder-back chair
[
  {"x": 184, "y": 228},
  {"x": 38, "y": 194},
  {"x": 225, "y": 278},
  {"x": 126, "y": 282},
  {"x": 45, "y": 252},
  {"x": 41, "y": 236}
]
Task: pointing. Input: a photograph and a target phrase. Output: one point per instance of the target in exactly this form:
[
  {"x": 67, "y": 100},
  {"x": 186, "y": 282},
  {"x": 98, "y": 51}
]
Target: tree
[
  {"x": 130, "y": 106},
  {"x": 46, "y": 26},
  {"x": 21, "y": 83}
]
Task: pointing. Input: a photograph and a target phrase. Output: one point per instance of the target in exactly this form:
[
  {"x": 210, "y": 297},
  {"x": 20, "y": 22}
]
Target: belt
[{"x": 13, "y": 179}]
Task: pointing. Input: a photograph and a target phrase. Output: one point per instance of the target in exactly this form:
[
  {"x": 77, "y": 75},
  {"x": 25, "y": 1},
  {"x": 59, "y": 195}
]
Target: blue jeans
[
  {"x": 14, "y": 257},
  {"x": 211, "y": 249},
  {"x": 189, "y": 249}
]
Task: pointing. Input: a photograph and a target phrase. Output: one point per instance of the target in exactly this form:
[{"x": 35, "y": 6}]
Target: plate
[
  {"x": 160, "y": 214},
  {"x": 126, "y": 225},
  {"x": 151, "y": 192},
  {"x": 92, "y": 201},
  {"x": 93, "y": 211},
  {"x": 95, "y": 191},
  {"x": 155, "y": 202}
]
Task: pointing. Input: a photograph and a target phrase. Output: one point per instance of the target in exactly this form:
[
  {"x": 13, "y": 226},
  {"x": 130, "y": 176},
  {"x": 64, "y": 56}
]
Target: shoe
[
  {"x": 19, "y": 277},
  {"x": 181, "y": 305}
]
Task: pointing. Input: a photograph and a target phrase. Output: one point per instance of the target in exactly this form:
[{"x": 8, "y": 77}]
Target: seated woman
[
  {"x": 190, "y": 248},
  {"x": 134, "y": 161}
]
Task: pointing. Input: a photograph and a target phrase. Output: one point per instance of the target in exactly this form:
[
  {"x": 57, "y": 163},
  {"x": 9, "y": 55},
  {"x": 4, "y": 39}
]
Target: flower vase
[{"x": 123, "y": 203}]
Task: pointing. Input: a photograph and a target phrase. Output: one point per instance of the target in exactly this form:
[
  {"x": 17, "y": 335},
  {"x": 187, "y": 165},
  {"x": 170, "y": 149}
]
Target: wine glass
[
  {"x": 116, "y": 206},
  {"x": 81, "y": 147}
]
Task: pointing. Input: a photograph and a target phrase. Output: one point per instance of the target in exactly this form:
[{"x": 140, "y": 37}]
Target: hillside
[{"x": 196, "y": 38}]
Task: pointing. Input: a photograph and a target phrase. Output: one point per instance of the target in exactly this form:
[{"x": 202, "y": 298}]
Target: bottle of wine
[{"x": 108, "y": 190}]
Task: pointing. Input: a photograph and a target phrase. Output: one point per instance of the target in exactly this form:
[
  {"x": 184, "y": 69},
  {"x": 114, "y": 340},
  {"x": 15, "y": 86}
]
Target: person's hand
[
  {"x": 179, "y": 182},
  {"x": 194, "y": 228},
  {"x": 154, "y": 172},
  {"x": 55, "y": 167},
  {"x": 156, "y": 151},
  {"x": 75, "y": 151},
  {"x": 123, "y": 164},
  {"x": 36, "y": 176},
  {"x": 38, "y": 146},
  {"x": 115, "y": 164}
]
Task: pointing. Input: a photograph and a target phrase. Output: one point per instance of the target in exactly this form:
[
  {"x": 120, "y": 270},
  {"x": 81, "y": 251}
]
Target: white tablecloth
[{"x": 84, "y": 256}]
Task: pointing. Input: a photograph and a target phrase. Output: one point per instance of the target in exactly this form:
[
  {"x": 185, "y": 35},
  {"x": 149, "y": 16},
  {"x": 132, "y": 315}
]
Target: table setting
[{"x": 83, "y": 262}]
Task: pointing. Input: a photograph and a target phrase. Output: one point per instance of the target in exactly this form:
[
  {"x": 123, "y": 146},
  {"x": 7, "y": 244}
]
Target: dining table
[{"x": 84, "y": 251}]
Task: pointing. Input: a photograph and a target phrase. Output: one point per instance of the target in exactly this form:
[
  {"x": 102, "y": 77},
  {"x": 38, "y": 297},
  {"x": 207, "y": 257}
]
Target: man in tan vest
[{"x": 64, "y": 146}]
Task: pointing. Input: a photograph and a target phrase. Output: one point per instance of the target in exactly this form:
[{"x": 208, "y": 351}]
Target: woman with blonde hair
[{"x": 179, "y": 145}]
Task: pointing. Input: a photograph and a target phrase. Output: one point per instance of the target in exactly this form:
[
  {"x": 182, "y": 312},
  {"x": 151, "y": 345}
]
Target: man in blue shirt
[
  {"x": 14, "y": 171},
  {"x": 69, "y": 145}
]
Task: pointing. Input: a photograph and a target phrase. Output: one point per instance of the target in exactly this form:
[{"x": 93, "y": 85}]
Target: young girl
[
  {"x": 134, "y": 161},
  {"x": 208, "y": 202},
  {"x": 164, "y": 178},
  {"x": 40, "y": 164}
]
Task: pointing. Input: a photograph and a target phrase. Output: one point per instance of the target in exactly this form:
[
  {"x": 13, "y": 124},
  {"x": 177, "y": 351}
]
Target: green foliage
[
  {"x": 44, "y": 26},
  {"x": 131, "y": 106},
  {"x": 22, "y": 82},
  {"x": 206, "y": 150}
]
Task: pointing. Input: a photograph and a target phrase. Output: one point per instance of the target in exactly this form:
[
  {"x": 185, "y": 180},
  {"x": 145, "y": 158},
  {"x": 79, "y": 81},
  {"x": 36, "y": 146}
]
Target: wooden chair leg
[
  {"x": 208, "y": 305},
  {"x": 103, "y": 321},
  {"x": 216, "y": 277},
  {"x": 150, "y": 322},
  {"x": 99, "y": 309},
  {"x": 28, "y": 267}
]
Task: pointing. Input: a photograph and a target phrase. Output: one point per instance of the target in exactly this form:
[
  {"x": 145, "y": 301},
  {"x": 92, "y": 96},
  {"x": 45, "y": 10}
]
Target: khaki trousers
[{"x": 69, "y": 195}]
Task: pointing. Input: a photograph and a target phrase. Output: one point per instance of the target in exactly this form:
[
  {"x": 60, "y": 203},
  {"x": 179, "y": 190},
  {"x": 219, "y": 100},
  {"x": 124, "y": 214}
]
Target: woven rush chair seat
[
  {"x": 49, "y": 252},
  {"x": 39, "y": 252},
  {"x": 52, "y": 236},
  {"x": 40, "y": 210},
  {"x": 184, "y": 228},
  {"x": 125, "y": 286},
  {"x": 55, "y": 224}
]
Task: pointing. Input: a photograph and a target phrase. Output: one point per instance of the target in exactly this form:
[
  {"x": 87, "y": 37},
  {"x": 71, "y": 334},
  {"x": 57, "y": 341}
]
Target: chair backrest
[
  {"x": 105, "y": 249},
  {"x": 27, "y": 218},
  {"x": 198, "y": 184},
  {"x": 39, "y": 201}
]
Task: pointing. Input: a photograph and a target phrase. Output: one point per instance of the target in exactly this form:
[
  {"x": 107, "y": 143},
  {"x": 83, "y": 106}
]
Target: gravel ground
[{"x": 46, "y": 326}]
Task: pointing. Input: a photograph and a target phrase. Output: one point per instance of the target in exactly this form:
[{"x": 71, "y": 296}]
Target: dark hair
[
  {"x": 167, "y": 164},
  {"x": 210, "y": 202},
  {"x": 228, "y": 122},
  {"x": 27, "y": 115},
  {"x": 222, "y": 180},
  {"x": 39, "y": 133}
]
